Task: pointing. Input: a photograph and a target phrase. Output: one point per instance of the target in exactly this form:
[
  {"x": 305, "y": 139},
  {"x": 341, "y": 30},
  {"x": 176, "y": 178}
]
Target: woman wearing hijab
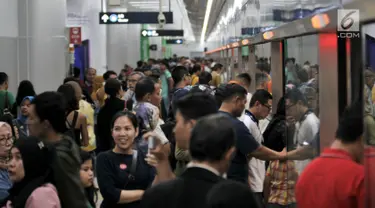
[
  {"x": 29, "y": 170},
  {"x": 6, "y": 142},
  {"x": 20, "y": 122}
]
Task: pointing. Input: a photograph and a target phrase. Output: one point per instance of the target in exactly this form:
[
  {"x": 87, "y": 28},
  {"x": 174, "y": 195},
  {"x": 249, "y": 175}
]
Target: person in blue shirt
[{"x": 233, "y": 99}]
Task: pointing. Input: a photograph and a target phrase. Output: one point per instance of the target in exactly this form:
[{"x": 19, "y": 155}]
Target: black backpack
[{"x": 6, "y": 114}]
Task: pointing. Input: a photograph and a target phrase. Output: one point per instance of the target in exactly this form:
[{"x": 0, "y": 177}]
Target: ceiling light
[{"x": 206, "y": 18}]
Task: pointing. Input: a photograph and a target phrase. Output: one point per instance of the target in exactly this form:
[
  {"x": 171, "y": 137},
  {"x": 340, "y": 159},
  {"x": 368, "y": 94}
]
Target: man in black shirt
[
  {"x": 233, "y": 100},
  {"x": 47, "y": 122},
  {"x": 210, "y": 152}
]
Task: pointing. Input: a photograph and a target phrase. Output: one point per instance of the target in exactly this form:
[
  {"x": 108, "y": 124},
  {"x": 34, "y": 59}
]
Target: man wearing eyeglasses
[
  {"x": 260, "y": 107},
  {"x": 307, "y": 123}
]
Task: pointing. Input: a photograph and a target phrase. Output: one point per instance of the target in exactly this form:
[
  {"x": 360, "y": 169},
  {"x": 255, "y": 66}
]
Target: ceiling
[{"x": 196, "y": 10}]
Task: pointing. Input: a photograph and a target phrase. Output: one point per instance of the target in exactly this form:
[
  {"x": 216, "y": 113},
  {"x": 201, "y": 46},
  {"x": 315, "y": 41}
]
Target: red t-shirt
[
  {"x": 370, "y": 177},
  {"x": 333, "y": 180}
]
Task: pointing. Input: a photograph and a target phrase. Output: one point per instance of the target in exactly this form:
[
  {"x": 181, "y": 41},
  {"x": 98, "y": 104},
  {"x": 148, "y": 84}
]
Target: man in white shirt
[
  {"x": 244, "y": 79},
  {"x": 260, "y": 107},
  {"x": 307, "y": 125}
]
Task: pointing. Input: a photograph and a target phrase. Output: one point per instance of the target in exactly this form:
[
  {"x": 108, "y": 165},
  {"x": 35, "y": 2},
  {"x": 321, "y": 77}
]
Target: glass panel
[
  {"x": 369, "y": 110},
  {"x": 301, "y": 104},
  {"x": 263, "y": 67}
]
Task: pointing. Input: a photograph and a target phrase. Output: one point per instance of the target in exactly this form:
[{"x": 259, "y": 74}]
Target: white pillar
[
  {"x": 42, "y": 44},
  {"x": 8, "y": 42}
]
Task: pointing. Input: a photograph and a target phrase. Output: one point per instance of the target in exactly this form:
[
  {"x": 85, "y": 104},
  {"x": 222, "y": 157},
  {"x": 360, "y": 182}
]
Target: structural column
[
  {"x": 42, "y": 45},
  {"x": 277, "y": 72},
  {"x": 328, "y": 85},
  {"x": 251, "y": 66}
]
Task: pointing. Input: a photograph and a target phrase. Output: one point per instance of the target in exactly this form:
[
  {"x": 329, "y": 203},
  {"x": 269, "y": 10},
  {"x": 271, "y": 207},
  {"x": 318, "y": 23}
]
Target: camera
[{"x": 161, "y": 20}]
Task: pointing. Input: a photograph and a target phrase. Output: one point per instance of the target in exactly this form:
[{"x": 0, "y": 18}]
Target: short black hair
[
  {"x": 295, "y": 95},
  {"x": 205, "y": 78},
  {"x": 196, "y": 105},
  {"x": 112, "y": 87},
  {"x": 76, "y": 72},
  {"x": 165, "y": 63},
  {"x": 179, "y": 73},
  {"x": 51, "y": 106},
  {"x": 217, "y": 66},
  {"x": 226, "y": 92},
  {"x": 69, "y": 95},
  {"x": 262, "y": 96},
  {"x": 212, "y": 137},
  {"x": 107, "y": 74},
  {"x": 139, "y": 64},
  {"x": 351, "y": 125},
  {"x": 260, "y": 77},
  {"x": 131, "y": 116},
  {"x": 229, "y": 193},
  {"x": 25, "y": 88},
  {"x": 143, "y": 87},
  {"x": 196, "y": 68},
  {"x": 245, "y": 77},
  {"x": 3, "y": 78}
]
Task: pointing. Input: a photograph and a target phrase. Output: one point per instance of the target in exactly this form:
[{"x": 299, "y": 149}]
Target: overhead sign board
[
  {"x": 75, "y": 35},
  {"x": 162, "y": 33},
  {"x": 175, "y": 41},
  {"x": 133, "y": 17}
]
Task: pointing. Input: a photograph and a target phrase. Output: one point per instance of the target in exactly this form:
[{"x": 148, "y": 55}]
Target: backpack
[
  {"x": 70, "y": 132},
  {"x": 6, "y": 114}
]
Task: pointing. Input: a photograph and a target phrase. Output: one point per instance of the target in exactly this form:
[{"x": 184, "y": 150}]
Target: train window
[
  {"x": 301, "y": 98},
  {"x": 263, "y": 67}
]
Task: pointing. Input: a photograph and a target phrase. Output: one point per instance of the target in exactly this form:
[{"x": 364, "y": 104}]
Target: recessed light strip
[{"x": 206, "y": 18}]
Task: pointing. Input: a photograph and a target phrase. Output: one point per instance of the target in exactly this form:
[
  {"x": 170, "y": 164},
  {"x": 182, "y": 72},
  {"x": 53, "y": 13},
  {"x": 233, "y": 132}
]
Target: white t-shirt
[
  {"x": 247, "y": 106},
  {"x": 257, "y": 169},
  {"x": 159, "y": 132},
  {"x": 305, "y": 131}
]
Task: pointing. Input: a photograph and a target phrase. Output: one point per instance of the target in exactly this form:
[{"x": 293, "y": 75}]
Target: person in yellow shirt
[
  {"x": 195, "y": 74},
  {"x": 100, "y": 94},
  {"x": 216, "y": 78},
  {"x": 98, "y": 83}
]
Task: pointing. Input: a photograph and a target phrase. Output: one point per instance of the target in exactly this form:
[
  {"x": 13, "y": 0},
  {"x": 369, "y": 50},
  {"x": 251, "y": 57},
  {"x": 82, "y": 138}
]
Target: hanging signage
[
  {"x": 75, "y": 35},
  {"x": 175, "y": 41},
  {"x": 153, "y": 47},
  {"x": 162, "y": 33},
  {"x": 133, "y": 17}
]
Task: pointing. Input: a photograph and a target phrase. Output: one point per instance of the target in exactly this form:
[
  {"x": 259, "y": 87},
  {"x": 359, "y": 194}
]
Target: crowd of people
[{"x": 177, "y": 132}]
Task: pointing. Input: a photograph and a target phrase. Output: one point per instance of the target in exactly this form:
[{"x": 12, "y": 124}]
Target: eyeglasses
[
  {"x": 6, "y": 140},
  {"x": 267, "y": 106}
]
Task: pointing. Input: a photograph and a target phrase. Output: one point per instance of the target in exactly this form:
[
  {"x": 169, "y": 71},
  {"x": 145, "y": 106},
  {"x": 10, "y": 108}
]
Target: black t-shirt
[
  {"x": 113, "y": 170},
  {"x": 245, "y": 144}
]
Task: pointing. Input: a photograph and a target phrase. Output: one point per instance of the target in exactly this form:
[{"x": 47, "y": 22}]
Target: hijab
[
  {"x": 36, "y": 159},
  {"x": 21, "y": 117}
]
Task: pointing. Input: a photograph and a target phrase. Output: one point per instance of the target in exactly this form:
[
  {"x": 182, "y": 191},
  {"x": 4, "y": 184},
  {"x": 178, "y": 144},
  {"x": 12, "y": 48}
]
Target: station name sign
[
  {"x": 175, "y": 41},
  {"x": 162, "y": 33},
  {"x": 133, "y": 17}
]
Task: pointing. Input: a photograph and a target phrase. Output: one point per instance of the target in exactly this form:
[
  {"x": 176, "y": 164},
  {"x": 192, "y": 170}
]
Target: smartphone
[{"x": 151, "y": 143}]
